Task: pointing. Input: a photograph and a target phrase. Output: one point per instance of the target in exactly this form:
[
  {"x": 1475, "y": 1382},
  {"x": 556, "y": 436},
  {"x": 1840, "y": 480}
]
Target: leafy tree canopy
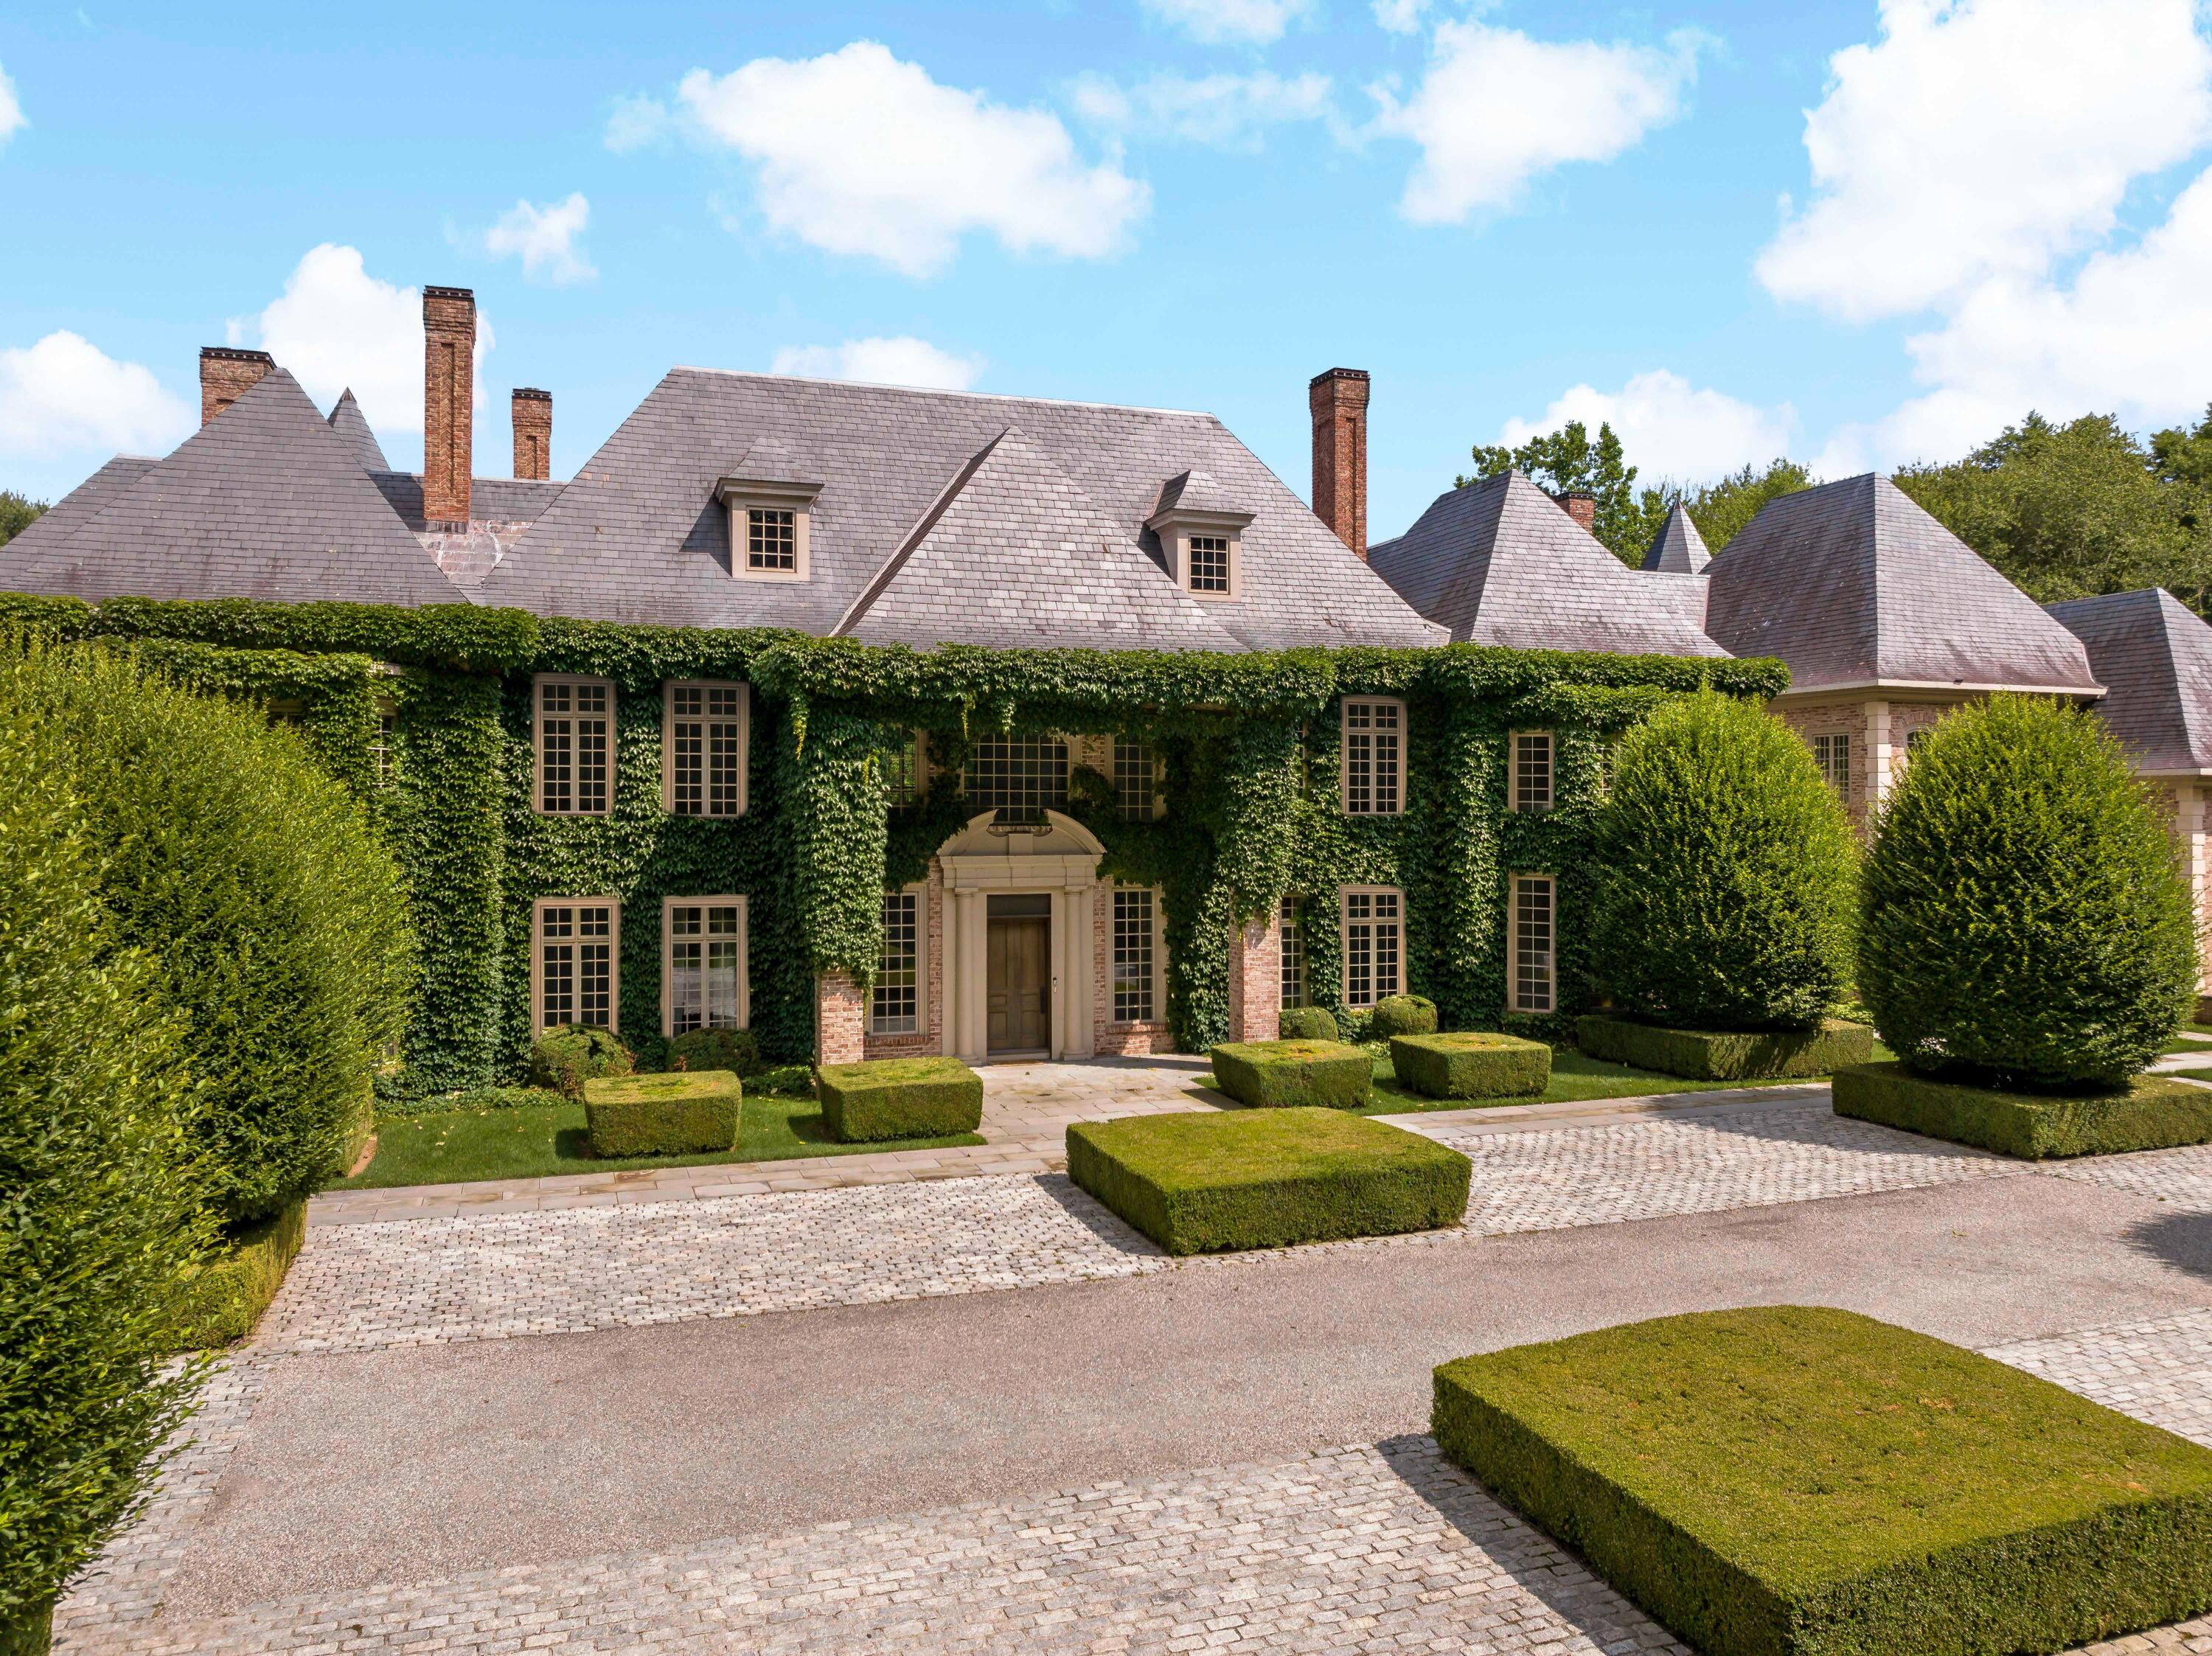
[
  {"x": 17, "y": 513},
  {"x": 1567, "y": 459},
  {"x": 1721, "y": 509}
]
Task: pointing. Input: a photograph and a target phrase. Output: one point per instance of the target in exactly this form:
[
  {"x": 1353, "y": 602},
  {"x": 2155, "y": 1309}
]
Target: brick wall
[
  {"x": 1255, "y": 980},
  {"x": 1338, "y": 402},
  {"x": 226, "y": 374},
  {"x": 449, "y": 338},
  {"x": 531, "y": 414},
  {"x": 839, "y": 1019}
]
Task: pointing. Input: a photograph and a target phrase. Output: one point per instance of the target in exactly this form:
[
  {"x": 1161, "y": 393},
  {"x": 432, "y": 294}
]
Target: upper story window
[
  {"x": 1025, "y": 775},
  {"x": 1530, "y": 783},
  {"x": 703, "y": 738},
  {"x": 702, "y": 964},
  {"x": 1373, "y": 943},
  {"x": 1201, "y": 534},
  {"x": 384, "y": 749},
  {"x": 1134, "y": 780},
  {"x": 1374, "y": 755},
  {"x": 573, "y": 731},
  {"x": 1209, "y": 564},
  {"x": 904, "y": 782},
  {"x": 771, "y": 541},
  {"x": 1833, "y": 754},
  {"x": 771, "y": 526},
  {"x": 573, "y": 961}
]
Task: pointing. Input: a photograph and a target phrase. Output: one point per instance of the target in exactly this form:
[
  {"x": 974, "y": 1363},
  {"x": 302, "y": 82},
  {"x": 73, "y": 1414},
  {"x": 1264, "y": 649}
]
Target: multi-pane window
[
  {"x": 1833, "y": 754},
  {"x": 1374, "y": 945},
  {"x": 895, "y": 1001},
  {"x": 1532, "y": 770},
  {"x": 387, "y": 727},
  {"x": 1294, "y": 954},
  {"x": 1132, "y": 956},
  {"x": 771, "y": 540},
  {"x": 575, "y": 746},
  {"x": 704, "y": 966},
  {"x": 707, "y": 750},
  {"x": 1534, "y": 983},
  {"x": 575, "y": 961},
  {"x": 903, "y": 773},
  {"x": 1025, "y": 776},
  {"x": 1374, "y": 756},
  {"x": 1209, "y": 563},
  {"x": 1132, "y": 779}
]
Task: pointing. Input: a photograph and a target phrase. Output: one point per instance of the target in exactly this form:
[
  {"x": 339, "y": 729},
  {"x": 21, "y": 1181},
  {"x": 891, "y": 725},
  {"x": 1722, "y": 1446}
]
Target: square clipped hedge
[
  {"x": 1212, "y": 1181},
  {"x": 2154, "y": 1112},
  {"x": 899, "y": 1098},
  {"x": 1274, "y": 1075},
  {"x": 1725, "y": 1054},
  {"x": 684, "y": 1112},
  {"x": 1795, "y": 1481},
  {"x": 223, "y": 1299},
  {"x": 1471, "y": 1064}
]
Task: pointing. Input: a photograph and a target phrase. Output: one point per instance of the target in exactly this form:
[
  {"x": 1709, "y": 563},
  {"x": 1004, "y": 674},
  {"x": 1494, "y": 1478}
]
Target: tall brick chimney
[
  {"x": 226, "y": 374},
  {"x": 530, "y": 412},
  {"x": 449, "y": 343},
  {"x": 1580, "y": 505},
  {"x": 1339, "y": 401}
]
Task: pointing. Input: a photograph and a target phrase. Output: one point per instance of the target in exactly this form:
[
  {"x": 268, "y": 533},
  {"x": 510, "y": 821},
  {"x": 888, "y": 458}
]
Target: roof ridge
[{"x": 935, "y": 390}]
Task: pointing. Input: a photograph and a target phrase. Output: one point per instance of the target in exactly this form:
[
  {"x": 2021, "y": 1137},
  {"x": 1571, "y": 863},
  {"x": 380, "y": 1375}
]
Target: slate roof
[
  {"x": 2153, "y": 655},
  {"x": 1498, "y": 562},
  {"x": 350, "y": 423},
  {"x": 491, "y": 499},
  {"x": 638, "y": 536},
  {"x": 1083, "y": 583},
  {"x": 266, "y": 500},
  {"x": 1196, "y": 491},
  {"x": 80, "y": 506},
  {"x": 1852, "y": 585},
  {"x": 1677, "y": 549}
]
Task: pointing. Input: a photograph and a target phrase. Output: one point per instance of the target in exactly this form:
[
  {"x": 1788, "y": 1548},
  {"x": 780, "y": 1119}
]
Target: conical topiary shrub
[
  {"x": 1726, "y": 874},
  {"x": 2025, "y": 921}
]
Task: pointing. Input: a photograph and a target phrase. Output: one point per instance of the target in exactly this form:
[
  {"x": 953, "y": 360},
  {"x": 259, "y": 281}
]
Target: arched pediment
[{"x": 1062, "y": 836}]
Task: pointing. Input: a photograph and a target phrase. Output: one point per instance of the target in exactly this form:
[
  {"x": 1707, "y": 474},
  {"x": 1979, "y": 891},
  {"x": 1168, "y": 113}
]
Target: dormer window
[
  {"x": 1209, "y": 563},
  {"x": 771, "y": 525},
  {"x": 771, "y": 541},
  {"x": 1201, "y": 534}
]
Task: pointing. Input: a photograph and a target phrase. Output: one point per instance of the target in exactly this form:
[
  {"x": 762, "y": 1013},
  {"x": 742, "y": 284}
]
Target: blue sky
[{"x": 1862, "y": 233}]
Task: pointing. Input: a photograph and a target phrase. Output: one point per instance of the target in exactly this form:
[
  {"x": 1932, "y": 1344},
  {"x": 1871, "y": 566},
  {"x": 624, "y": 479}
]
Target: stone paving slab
[
  {"x": 2161, "y": 1372},
  {"x": 2182, "y": 1176}
]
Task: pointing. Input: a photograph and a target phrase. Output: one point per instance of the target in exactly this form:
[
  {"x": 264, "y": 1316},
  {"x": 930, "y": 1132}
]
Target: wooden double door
[{"x": 1017, "y": 951}]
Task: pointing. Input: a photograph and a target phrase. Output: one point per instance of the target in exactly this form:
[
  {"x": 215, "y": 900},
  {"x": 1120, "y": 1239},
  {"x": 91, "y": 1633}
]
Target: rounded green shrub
[
  {"x": 1726, "y": 870},
  {"x": 1307, "y": 1023},
  {"x": 100, "y": 1210},
  {"x": 565, "y": 1058},
  {"x": 2026, "y": 921},
  {"x": 277, "y": 920},
  {"x": 1402, "y": 1014},
  {"x": 734, "y": 1049}
]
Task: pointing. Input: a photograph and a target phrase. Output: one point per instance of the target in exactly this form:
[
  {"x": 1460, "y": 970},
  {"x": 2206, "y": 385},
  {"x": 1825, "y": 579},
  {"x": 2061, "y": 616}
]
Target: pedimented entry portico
[{"x": 988, "y": 957}]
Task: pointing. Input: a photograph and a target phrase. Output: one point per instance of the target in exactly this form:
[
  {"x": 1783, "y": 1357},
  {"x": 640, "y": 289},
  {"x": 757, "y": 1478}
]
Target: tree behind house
[{"x": 17, "y": 513}]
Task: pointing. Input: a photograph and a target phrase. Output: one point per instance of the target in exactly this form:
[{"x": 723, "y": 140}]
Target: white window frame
[
  {"x": 1159, "y": 950},
  {"x": 919, "y": 893},
  {"x": 1835, "y": 775},
  {"x": 668, "y": 907},
  {"x": 741, "y": 498},
  {"x": 1518, "y": 797},
  {"x": 668, "y": 691},
  {"x": 1345, "y": 895},
  {"x": 1344, "y": 756},
  {"x": 539, "y": 1026},
  {"x": 538, "y": 688},
  {"x": 385, "y": 749},
  {"x": 1514, "y": 1000}
]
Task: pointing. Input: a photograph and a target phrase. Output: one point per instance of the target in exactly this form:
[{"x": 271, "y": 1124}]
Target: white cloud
[
  {"x": 1984, "y": 139},
  {"x": 12, "y": 119},
  {"x": 1248, "y": 22},
  {"x": 1497, "y": 108},
  {"x": 1400, "y": 16},
  {"x": 1231, "y": 110},
  {"x": 859, "y": 153},
  {"x": 900, "y": 360},
  {"x": 545, "y": 238},
  {"x": 635, "y": 123},
  {"x": 335, "y": 326},
  {"x": 1668, "y": 427},
  {"x": 64, "y": 392}
]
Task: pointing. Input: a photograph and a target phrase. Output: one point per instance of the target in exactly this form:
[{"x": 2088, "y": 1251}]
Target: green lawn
[
  {"x": 527, "y": 1143},
  {"x": 2182, "y": 1043}
]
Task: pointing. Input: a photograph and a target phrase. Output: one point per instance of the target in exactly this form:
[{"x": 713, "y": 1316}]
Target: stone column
[
  {"x": 1255, "y": 979},
  {"x": 969, "y": 966},
  {"x": 839, "y": 1019},
  {"x": 1881, "y": 762},
  {"x": 1082, "y": 1008}
]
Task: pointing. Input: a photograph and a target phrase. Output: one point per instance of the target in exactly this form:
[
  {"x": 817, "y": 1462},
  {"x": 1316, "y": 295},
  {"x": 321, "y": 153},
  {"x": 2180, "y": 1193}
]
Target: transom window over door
[
  {"x": 574, "y": 962},
  {"x": 1534, "y": 979},
  {"x": 574, "y": 729},
  {"x": 895, "y": 1000},
  {"x": 703, "y": 964},
  {"x": 1532, "y": 771},
  {"x": 1374, "y": 756},
  {"x": 706, "y": 734},
  {"x": 1026, "y": 776},
  {"x": 1373, "y": 943},
  {"x": 1133, "y": 955}
]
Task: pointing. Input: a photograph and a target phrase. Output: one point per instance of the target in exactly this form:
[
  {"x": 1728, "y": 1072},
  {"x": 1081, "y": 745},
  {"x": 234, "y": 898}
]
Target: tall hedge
[
  {"x": 99, "y": 1203},
  {"x": 275, "y": 918},
  {"x": 2026, "y": 920},
  {"x": 1726, "y": 873}
]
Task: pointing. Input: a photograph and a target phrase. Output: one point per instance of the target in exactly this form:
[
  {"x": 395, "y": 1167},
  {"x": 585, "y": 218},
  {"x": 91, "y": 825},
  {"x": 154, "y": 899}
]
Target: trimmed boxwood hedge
[
  {"x": 1474, "y": 1064},
  {"x": 562, "y": 1059},
  {"x": 1725, "y": 1055},
  {"x": 1282, "y": 1074},
  {"x": 1307, "y": 1023},
  {"x": 222, "y": 1301},
  {"x": 1795, "y": 1481},
  {"x": 899, "y": 1098},
  {"x": 2151, "y": 1112},
  {"x": 682, "y": 1112},
  {"x": 1402, "y": 1014},
  {"x": 1212, "y": 1181}
]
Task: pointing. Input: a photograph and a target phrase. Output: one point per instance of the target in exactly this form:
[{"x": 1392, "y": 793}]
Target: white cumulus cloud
[
  {"x": 856, "y": 152},
  {"x": 635, "y": 123},
  {"x": 64, "y": 392},
  {"x": 1496, "y": 108},
  {"x": 1670, "y": 428},
  {"x": 1400, "y": 16},
  {"x": 545, "y": 238},
  {"x": 1231, "y": 110},
  {"x": 12, "y": 119},
  {"x": 1216, "y": 22},
  {"x": 899, "y": 360},
  {"x": 1984, "y": 139}
]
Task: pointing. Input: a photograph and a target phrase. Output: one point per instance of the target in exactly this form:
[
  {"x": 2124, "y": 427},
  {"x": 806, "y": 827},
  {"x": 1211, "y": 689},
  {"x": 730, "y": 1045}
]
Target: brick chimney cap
[
  {"x": 1337, "y": 373},
  {"x": 468, "y": 293},
  {"x": 1577, "y": 494},
  {"x": 531, "y": 394},
  {"x": 233, "y": 353}
]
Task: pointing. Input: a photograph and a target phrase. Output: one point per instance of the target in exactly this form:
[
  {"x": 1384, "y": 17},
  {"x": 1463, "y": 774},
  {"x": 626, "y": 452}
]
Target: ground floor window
[
  {"x": 895, "y": 1001},
  {"x": 1373, "y": 943},
  {"x": 1833, "y": 754},
  {"x": 703, "y": 964},
  {"x": 1294, "y": 955},
  {"x": 1534, "y": 978},
  {"x": 573, "y": 961},
  {"x": 1132, "y": 956}
]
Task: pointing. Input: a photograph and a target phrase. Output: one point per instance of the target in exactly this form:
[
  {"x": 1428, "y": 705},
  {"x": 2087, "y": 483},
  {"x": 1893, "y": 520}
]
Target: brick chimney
[
  {"x": 1339, "y": 401},
  {"x": 226, "y": 374},
  {"x": 449, "y": 343},
  {"x": 530, "y": 412},
  {"x": 1580, "y": 505}
]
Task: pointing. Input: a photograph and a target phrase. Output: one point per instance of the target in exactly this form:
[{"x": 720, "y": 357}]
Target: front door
[{"x": 1018, "y": 989}]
